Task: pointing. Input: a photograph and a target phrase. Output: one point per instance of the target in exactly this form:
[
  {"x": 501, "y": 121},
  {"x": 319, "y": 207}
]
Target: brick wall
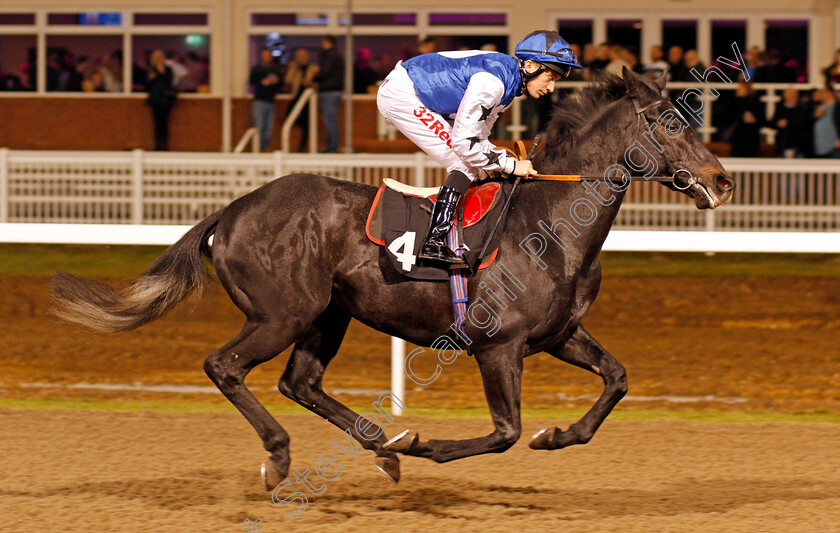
[{"x": 126, "y": 123}]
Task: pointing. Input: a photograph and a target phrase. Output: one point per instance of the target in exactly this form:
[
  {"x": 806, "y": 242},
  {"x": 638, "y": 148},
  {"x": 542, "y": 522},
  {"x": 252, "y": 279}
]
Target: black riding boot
[{"x": 435, "y": 248}]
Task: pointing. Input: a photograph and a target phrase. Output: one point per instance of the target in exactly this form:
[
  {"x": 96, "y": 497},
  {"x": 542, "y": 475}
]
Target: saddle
[{"x": 398, "y": 220}]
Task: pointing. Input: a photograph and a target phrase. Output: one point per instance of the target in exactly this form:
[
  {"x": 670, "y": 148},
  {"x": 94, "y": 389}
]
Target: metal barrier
[
  {"x": 181, "y": 188},
  {"x": 252, "y": 136}
]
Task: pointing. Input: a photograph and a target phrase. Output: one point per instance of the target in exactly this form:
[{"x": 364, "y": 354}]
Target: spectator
[
  {"x": 657, "y": 64},
  {"x": 426, "y": 46},
  {"x": 193, "y": 78},
  {"x": 691, "y": 60},
  {"x": 826, "y": 124},
  {"x": 590, "y": 56},
  {"x": 330, "y": 80},
  {"x": 770, "y": 69},
  {"x": 299, "y": 75},
  {"x": 363, "y": 74},
  {"x": 753, "y": 60},
  {"x": 629, "y": 55},
  {"x": 162, "y": 96},
  {"x": 265, "y": 77},
  {"x": 676, "y": 65},
  {"x": 832, "y": 73},
  {"x": 111, "y": 72},
  {"x": 27, "y": 76},
  {"x": 57, "y": 77},
  {"x": 602, "y": 58},
  {"x": 139, "y": 70},
  {"x": 793, "y": 125},
  {"x": 177, "y": 66},
  {"x": 749, "y": 118},
  {"x": 81, "y": 71},
  {"x": 11, "y": 82},
  {"x": 577, "y": 73},
  {"x": 617, "y": 60}
]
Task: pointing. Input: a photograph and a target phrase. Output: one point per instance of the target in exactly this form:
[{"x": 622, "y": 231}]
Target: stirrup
[{"x": 440, "y": 253}]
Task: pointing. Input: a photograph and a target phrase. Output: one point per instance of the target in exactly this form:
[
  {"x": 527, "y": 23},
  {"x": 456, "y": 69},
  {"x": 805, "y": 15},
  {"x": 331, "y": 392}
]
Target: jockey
[{"x": 447, "y": 103}]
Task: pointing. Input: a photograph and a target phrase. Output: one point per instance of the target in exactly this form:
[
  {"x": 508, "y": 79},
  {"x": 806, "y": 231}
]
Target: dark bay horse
[{"x": 293, "y": 256}]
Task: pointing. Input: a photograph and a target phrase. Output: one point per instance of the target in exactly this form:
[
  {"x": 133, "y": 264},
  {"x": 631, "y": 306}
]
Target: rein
[{"x": 519, "y": 153}]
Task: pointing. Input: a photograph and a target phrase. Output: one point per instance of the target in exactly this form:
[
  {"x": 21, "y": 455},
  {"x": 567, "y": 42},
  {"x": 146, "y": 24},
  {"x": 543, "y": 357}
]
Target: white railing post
[
  {"x": 137, "y": 187},
  {"x": 313, "y": 123},
  {"x": 707, "y": 129},
  {"x": 292, "y": 115},
  {"x": 770, "y": 100},
  {"x": 710, "y": 220},
  {"x": 251, "y": 135},
  {"x": 397, "y": 373},
  {"x": 419, "y": 169},
  {"x": 279, "y": 164},
  {"x": 4, "y": 185}
]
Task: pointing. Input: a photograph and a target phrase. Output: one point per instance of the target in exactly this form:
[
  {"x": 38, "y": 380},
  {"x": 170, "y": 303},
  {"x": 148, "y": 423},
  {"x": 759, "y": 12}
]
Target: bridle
[{"x": 644, "y": 123}]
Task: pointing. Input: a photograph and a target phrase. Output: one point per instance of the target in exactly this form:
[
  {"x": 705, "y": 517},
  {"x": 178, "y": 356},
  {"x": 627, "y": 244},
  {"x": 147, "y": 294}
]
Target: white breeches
[{"x": 398, "y": 103}]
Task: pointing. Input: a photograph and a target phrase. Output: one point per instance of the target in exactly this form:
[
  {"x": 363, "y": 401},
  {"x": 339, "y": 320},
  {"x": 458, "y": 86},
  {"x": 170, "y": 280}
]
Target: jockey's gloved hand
[{"x": 524, "y": 168}]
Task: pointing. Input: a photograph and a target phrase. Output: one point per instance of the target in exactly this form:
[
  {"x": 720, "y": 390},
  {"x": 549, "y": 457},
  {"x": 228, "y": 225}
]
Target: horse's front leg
[
  {"x": 501, "y": 375},
  {"x": 584, "y": 351}
]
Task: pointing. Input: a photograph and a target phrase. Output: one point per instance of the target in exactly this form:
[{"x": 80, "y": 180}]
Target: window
[
  {"x": 577, "y": 32},
  {"x": 786, "y": 56},
  {"x": 86, "y": 50},
  {"x": 17, "y": 19},
  {"x": 682, "y": 33},
  {"x": 170, "y": 19},
  {"x": 726, "y": 32},
  {"x": 17, "y": 62},
  {"x": 384, "y": 19},
  {"x": 467, "y": 19},
  {"x": 626, "y": 32},
  {"x": 494, "y": 43},
  {"x": 89, "y": 63},
  {"x": 85, "y": 19},
  {"x": 290, "y": 19},
  {"x": 187, "y": 56},
  {"x": 380, "y": 38}
]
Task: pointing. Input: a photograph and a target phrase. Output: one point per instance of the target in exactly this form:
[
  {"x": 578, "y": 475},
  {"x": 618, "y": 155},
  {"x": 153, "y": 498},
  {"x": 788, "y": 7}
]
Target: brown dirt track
[{"x": 772, "y": 341}]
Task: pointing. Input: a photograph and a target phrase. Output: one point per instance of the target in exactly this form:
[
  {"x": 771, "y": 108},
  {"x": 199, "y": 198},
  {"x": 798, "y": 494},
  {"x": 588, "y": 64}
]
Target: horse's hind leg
[
  {"x": 302, "y": 382},
  {"x": 227, "y": 367},
  {"x": 583, "y": 351}
]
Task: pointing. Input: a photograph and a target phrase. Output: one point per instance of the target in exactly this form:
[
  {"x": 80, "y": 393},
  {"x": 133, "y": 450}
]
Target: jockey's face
[{"x": 540, "y": 85}]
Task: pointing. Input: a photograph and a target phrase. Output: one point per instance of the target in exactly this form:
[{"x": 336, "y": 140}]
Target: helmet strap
[{"x": 528, "y": 76}]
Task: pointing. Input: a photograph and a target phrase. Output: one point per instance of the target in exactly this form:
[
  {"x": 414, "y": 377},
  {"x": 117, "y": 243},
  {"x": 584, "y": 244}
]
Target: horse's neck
[{"x": 592, "y": 156}]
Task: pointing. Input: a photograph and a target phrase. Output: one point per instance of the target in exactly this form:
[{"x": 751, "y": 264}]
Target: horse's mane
[{"x": 578, "y": 109}]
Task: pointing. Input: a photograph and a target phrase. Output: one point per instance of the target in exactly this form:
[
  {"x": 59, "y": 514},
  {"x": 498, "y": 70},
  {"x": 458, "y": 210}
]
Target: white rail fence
[{"x": 153, "y": 188}]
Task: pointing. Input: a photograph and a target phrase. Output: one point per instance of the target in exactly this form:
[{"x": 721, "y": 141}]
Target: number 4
[{"x": 404, "y": 242}]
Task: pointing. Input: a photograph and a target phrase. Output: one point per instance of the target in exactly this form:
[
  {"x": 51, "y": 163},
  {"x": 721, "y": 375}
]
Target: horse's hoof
[
  {"x": 402, "y": 442},
  {"x": 390, "y": 466},
  {"x": 542, "y": 439},
  {"x": 271, "y": 475}
]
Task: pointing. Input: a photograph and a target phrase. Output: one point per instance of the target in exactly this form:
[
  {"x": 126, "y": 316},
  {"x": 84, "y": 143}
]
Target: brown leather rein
[{"x": 520, "y": 153}]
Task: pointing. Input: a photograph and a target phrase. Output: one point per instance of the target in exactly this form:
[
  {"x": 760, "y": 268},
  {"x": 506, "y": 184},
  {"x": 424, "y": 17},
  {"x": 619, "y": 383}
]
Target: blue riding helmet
[{"x": 549, "y": 50}]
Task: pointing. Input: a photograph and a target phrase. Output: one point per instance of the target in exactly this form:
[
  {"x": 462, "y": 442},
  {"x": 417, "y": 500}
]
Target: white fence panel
[{"x": 182, "y": 188}]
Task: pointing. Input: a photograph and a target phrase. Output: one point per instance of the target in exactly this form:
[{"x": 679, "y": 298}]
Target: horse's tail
[{"x": 180, "y": 273}]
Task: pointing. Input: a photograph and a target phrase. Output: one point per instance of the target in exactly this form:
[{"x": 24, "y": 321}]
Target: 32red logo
[{"x": 427, "y": 119}]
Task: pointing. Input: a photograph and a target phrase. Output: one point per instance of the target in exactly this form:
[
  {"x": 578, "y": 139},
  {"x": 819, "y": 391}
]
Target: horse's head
[{"x": 668, "y": 142}]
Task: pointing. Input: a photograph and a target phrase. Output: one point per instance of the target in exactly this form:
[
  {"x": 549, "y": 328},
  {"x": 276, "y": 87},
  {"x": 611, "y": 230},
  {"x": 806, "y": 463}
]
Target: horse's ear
[
  {"x": 632, "y": 82},
  {"x": 662, "y": 80}
]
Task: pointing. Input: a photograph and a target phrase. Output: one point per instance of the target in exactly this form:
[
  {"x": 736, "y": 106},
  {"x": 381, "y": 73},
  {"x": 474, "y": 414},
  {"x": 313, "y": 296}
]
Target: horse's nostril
[{"x": 724, "y": 183}]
